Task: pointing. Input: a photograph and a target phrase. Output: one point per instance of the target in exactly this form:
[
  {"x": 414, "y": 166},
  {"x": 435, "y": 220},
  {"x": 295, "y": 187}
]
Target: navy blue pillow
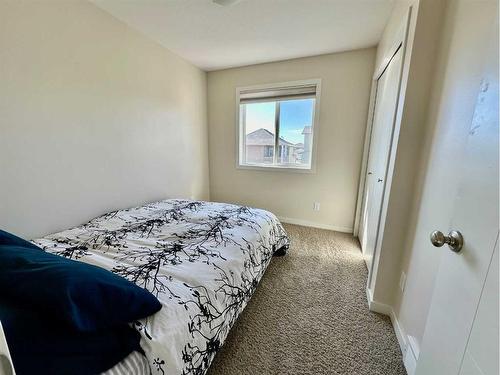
[
  {"x": 7, "y": 238},
  {"x": 83, "y": 296},
  {"x": 42, "y": 346}
]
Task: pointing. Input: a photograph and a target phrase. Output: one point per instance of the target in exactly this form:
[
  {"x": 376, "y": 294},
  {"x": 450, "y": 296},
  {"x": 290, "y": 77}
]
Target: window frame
[{"x": 240, "y": 140}]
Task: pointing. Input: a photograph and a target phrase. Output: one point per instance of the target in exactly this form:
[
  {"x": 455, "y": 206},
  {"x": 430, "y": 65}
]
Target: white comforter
[{"x": 202, "y": 260}]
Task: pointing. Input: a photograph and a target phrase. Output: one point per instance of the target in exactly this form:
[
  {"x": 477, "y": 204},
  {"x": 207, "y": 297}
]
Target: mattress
[{"x": 202, "y": 260}]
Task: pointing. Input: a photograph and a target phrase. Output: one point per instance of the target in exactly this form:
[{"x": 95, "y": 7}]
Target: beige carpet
[{"x": 309, "y": 316}]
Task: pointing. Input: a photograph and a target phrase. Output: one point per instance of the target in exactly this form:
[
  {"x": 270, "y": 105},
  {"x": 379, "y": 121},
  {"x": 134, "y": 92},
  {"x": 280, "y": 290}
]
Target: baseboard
[
  {"x": 411, "y": 357},
  {"x": 306, "y": 223},
  {"x": 377, "y": 307},
  {"x": 408, "y": 344}
]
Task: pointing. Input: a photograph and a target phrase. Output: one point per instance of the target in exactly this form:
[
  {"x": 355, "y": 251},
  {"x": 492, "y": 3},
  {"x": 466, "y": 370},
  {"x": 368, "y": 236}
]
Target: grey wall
[
  {"x": 345, "y": 90},
  {"x": 93, "y": 117}
]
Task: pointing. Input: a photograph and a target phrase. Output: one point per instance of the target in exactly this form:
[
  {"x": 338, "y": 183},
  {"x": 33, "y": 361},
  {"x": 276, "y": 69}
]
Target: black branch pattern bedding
[{"x": 202, "y": 260}]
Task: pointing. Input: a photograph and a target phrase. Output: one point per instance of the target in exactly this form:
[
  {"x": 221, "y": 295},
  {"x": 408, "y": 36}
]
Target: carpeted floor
[{"x": 309, "y": 316}]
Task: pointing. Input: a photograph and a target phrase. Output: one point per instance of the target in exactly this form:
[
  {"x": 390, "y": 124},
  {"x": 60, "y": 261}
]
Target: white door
[
  {"x": 461, "y": 334},
  {"x": 380, "y": 145}
]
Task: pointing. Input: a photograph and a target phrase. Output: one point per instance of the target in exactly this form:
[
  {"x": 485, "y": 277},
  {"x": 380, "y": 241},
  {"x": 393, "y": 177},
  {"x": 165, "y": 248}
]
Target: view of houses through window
[{"x": 278, "y": 132}]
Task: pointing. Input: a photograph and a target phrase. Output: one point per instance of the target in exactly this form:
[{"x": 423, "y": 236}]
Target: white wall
[
  {"x": 447, "y": 41},
  {"x": 346, "y": 79},
  {"x": 422, "y": 46},
  {"x": 456, "y": 83},
  {"x": 93, "y": 117},
  {"x": 392, "y": 29}
]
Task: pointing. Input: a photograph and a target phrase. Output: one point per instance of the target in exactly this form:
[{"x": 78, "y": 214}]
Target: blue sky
[{"x": 295, "y": 114}]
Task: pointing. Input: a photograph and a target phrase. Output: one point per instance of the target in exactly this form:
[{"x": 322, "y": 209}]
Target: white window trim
[{"x": 316, "y": 110}]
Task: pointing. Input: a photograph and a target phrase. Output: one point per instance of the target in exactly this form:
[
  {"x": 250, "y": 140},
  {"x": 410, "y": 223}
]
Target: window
[
  {"x": 276, "y": 125},
  {"x": 268, "y": 151}
]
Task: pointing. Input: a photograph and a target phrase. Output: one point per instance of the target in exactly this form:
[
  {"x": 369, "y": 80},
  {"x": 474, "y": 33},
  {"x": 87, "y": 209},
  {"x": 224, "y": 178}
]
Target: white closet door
[{"x": 380, "y": 147}]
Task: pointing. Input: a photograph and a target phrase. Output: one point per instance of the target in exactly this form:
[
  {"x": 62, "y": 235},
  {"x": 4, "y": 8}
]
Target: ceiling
[{"x": 248, "y": 32}]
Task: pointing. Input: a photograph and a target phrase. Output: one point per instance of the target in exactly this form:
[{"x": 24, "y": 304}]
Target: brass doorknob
[{"x": 454, "y": 240}]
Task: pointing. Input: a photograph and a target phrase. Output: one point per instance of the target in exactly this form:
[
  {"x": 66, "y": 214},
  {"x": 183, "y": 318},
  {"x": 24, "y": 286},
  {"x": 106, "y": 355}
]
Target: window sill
[{"x": 277, "y": 168}]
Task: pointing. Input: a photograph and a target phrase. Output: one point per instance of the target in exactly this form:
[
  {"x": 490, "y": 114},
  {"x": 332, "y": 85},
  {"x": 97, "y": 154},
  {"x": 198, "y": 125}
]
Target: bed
[{"x": 202, "y": 260}]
